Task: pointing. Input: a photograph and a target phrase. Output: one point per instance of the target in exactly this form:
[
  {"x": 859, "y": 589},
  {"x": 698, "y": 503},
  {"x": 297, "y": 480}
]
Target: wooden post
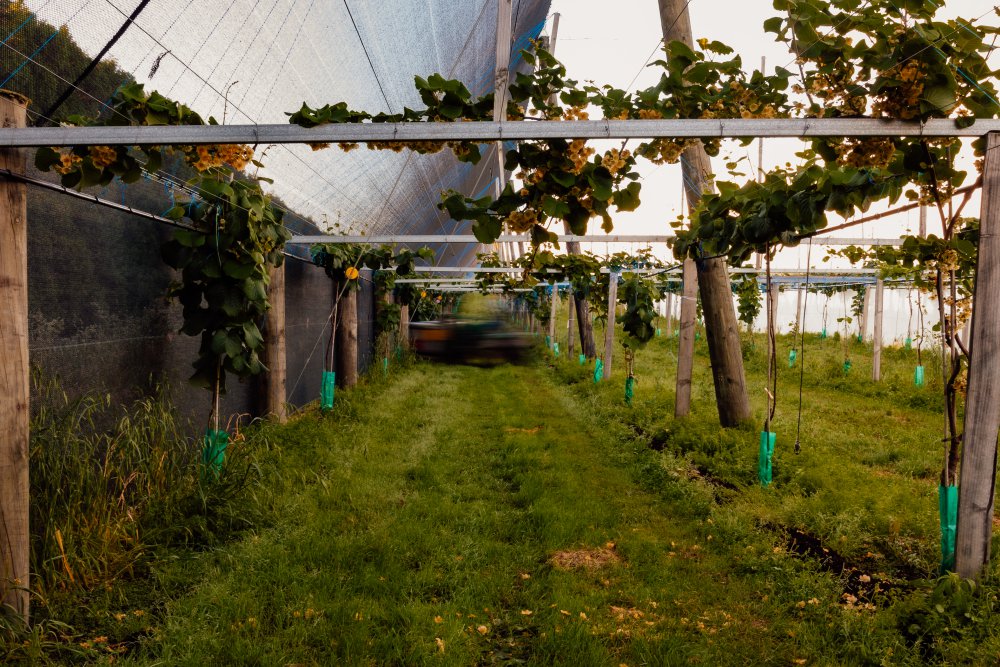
[
  {"x": 669, "y": 314},
  {"x": 552, "y": 315},
  {"x": 14, "y": 383},
  {"x": 865, "y": 307},
  {"x": 877, "y": 334},
  {"x": 569, "y": 323},
  {"x": 923, "y": 222},
  {"x": 798, "y": 310},
  {"x": 721, "y": 327},
  {"x": 404, "y": 326},
  {"x": 977, "y": 474},
  {"x": 772, "y": 305},
  {"x": 274, "y": 347},
  {"x": 685, "y": 346},
  {"x": 347, "y": 339},
  {"x": 609, "y": 330}
]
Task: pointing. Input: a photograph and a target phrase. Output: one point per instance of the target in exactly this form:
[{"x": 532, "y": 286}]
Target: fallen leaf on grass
[
  {"x": 532, "y": 431},
  {"x": 584, "y": 558}
]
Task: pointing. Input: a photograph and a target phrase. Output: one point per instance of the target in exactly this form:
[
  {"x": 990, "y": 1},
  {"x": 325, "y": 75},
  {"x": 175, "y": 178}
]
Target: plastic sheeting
[{"x": 250, "y": 61}]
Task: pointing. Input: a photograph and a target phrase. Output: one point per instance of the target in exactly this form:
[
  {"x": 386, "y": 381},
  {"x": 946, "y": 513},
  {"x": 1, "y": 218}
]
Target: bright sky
[{"x": 610, "y": 42}]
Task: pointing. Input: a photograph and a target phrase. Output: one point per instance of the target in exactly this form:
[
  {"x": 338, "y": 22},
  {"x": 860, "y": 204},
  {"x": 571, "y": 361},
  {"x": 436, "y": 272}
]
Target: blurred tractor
[{"x": 469, "y": 341}]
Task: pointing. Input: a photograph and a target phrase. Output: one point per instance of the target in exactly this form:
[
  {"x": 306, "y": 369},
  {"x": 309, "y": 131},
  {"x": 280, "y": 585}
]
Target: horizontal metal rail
[
  {"x": 673, "y": 270},
  {"x": 485, "y": 131},
  {"x": 388, "y": 239}
]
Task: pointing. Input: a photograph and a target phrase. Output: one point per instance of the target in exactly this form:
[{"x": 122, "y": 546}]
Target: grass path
[{"x": 420, "y": 528}]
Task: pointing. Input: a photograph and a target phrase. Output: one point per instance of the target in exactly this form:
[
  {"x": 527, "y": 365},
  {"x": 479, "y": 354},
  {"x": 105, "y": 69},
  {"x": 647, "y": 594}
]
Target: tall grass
[{"x": 112, "y": 486}]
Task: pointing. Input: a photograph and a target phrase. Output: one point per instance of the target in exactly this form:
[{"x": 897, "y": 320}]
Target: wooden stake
[
  {"x": 347, "y": 339},
  {"x": 609, "y": 330},
  {"x": 404, "y": 326},
  {"x": 552, "y": 316},
  {"x": 14, "y": 383},
  {"x": 685, "y": 347},
  {"x": 721, "y": 328},
  {"x": 569, "y": 323},
  {"x": 977, "y": 474},
  {"x": 865, "y": 308},
  {"x": 877, "y": 334},
  {"x": 669, "y": 314},
  {"x": 274, "y": 348}
]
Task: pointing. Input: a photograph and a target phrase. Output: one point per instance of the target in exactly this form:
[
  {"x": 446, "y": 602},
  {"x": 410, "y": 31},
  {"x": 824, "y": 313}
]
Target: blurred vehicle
[{"x": 469, "y": 341}]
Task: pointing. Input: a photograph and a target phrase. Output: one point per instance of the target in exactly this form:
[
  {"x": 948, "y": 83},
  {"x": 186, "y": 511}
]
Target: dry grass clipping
[{"x": 588, "y": 559}]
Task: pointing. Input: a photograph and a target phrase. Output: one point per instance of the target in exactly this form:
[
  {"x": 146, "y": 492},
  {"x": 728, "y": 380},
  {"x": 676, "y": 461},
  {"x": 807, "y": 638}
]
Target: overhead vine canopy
[{"x": 250, "y": 61}]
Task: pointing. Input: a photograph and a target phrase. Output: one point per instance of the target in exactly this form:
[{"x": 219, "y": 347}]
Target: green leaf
[{"x": 487, "y": 229}]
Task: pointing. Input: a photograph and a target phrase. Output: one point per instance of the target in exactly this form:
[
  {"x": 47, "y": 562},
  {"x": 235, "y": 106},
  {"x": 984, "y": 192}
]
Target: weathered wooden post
[
  {"x": 14, "y": 384},
  {"x": 609, "y": 330},
  {"x": 347, "y": 339},
  {"x": 865, "y": 308},
  {"x": 669, "y": 314},
  {"x": 877, "y": 333},
  {"x": 404, "y": 326},
  {"x": 685, "y": 342},
  {"x": 977, "y": 474},
  {"x": 274, "y": 347},
  {"x": 569, "y": 323},
  {"x": 721, "y": 327},
  {"x": 552, "y": 315}
]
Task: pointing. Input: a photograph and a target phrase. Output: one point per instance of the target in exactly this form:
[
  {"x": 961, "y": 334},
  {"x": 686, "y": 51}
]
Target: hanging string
[{"x": 802, "y": 347}]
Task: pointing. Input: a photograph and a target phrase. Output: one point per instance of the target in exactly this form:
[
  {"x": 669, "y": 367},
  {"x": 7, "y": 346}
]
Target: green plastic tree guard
[
  {"x": 327, "y": 390},
  {"x": 948, "y": 509},
  {"x": 629, "y": 390},
  {"x": 385, "y": 366},
  {"x": 859, "y": 338},
  {"x": 555, "y": 349},
  {"x": 847, "y": 366},
  {"x": 766, "y": 457},
  {"x": 792, "y": 355},
  {"x": 548, "y": 341},
  {"x": 908, "y": 343},
  {"x": 213, "y": 451},
  {"x": 918, "y": 376},
  {"x": 822, "y": 334},
  {"x": 598, "y": 370},
  {"x": 658, "y": 332},
  {"x": 583, "y": 359}
]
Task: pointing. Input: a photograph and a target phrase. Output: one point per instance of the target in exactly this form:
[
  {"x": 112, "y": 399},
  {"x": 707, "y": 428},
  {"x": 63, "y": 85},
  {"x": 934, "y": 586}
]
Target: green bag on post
[
  {"x": 385, "y": 365},
  {"x": 555, "y": 349},
  {"x": 548, "y": 342},
  {"x": 765, "y": 458},
  {"x": 213, "y": 451},
  {"x": 847, "y": 366},
  {"x": 327, "y": 390},
  {"x": 583, "y": 359},
  {"x": 908, "y": 343},
  {"x": 822, "y": 334},
  {"x": 598, "y": 370},
  {"x": 658, "y": 332},
  {"x": 629, "y": 390},
  {"x": 918, "y": 376},
  {"x": 948, "y": 509},
  {"x": 792, "y": 355}
]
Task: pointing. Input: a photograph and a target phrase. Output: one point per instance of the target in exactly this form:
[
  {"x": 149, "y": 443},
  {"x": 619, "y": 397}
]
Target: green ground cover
[{"x": 525, "y": 515}]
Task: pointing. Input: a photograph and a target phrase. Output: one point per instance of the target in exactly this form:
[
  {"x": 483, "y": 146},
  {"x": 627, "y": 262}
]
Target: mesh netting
[{"x": 98, "y": 316}]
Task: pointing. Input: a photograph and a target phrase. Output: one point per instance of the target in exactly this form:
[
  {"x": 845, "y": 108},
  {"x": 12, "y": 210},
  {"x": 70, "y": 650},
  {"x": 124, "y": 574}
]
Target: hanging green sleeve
[
  {"x": 908, "y": 343},
  {"x": 629, "y": 390},
  {"x": 948, "y": 509},
  {"x": 598, "y": 370},
  {"x": 327, "y": 390},
  {"x": 918, "y": 376},
  {"x": 847, "y": 366},
  {"x": 213, "y": 451},
  {"x": 399, "y": 352},
  {"x": 822, "y": 334},
  {"x": 792, "y": 355},
  {"x": 548, "y": 342},
  {"x": 658, "y": 332},
  {"x": 583, "y": 359},
  {"x": 385, "y": 365},
  {"x": 765, "y": 458},
  {"x": 555, "y": 349}
]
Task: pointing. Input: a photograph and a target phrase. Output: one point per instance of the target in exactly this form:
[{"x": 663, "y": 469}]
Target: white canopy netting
[{"x": 251, "y": 61}]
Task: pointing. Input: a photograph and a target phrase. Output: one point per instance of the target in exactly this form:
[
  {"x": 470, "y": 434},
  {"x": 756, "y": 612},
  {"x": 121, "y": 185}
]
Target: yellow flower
[
  {"x": 351, "y": 273},
  {"x": 423, "y": 295}
]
